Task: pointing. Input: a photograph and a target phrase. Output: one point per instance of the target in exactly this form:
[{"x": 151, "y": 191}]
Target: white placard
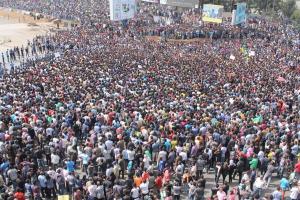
[
  {"x": 57, "y": 55},
  {"x": 122, "y": 9},
  {"x": 252, "y": 53}
]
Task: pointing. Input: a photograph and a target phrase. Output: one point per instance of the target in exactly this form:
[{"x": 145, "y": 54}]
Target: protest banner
[
  {"x": 122, "y": 9},
  {"x": 57, "y": 55},
  {"x": 212, "y": 13},
  {"x": 252, "y": 53},
  {"x": 239, "y": 15}
]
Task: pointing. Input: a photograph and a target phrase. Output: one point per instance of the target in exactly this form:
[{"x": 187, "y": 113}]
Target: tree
[
  {"x": 265, "y": 5},
  {"x": 296, "y": 16},
  {"x": 288, "y": 7}
]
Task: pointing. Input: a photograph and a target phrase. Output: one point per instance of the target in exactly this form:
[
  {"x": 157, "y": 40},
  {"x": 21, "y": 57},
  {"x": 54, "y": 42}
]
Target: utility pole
[
  {"x": 200, "y": 4},
  {"x": 266, "y": 6},
  {"x": 232, "y": 5}
]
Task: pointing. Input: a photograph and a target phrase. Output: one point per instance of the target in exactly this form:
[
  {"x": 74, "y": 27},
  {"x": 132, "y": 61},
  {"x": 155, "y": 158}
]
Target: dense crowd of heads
[{"x": 124, "y": 115}]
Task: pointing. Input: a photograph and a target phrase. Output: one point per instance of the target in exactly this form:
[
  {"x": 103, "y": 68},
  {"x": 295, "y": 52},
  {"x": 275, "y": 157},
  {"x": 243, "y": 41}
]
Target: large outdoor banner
[
  {"x": 122, "y": 9},
  {"x": 212, "y": 13},
  {"x": 240, "y": 13},
  {"x": 181, "y": 3}
]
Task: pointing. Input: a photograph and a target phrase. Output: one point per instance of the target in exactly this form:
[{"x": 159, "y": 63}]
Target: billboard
[
  {"x": 240, "y": 13},
  {"x": 212, "y": 13},
  {"x": 181, "y": 3},
  {"x": 122, "y": 9}
]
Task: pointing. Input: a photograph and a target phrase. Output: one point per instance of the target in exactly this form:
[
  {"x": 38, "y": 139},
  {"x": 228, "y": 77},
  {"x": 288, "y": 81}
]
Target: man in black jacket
[{"x": 239, "y": 169}]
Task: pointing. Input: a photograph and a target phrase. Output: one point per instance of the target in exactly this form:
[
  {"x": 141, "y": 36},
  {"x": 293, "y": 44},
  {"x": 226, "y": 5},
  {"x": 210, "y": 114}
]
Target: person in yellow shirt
[
  {"x": 174, "y": 143},
  {"x": 271, "y": 154}
]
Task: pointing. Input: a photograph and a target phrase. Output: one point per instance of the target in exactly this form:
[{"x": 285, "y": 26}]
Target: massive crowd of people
[{"x": 122, "y": 115}]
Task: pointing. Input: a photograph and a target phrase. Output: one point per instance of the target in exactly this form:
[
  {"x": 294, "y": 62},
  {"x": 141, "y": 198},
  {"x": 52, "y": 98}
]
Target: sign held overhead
[
  {"x": 212, "y": 13},
  {"x": 122, "y": 9}
]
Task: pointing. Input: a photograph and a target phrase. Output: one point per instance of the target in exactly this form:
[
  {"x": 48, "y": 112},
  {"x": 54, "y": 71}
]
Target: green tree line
[{"x": 278, "y": 8}]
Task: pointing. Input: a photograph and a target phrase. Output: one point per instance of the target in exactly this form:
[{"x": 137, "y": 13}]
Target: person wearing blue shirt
[
  {"x": 167, "y": 144},
  {"x": 70, "y": 165},
  {"x": 4, "y": 166},
  {"x": 161, "y": 165},
  {"x": 195, "y": 130},
  {"x": 69, "y": 121},
  {"x": 216, "y": 136},
  {"x": 284, "y": 184},
  {"x": 43, "y": 183},
  {"x": 188, "y": 126},
  {"x": 130, "y": 166}
]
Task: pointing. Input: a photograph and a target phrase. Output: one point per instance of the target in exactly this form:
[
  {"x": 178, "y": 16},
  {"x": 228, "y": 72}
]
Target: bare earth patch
[{"x": 18, "y": 27}]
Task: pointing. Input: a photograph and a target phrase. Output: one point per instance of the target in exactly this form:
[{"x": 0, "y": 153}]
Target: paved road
[{"x": 210, "y": 183}]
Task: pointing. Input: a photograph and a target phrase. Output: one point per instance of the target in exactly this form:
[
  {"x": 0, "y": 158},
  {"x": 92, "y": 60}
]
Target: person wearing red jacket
[
  {"x": 159, "y": 182},
  {"x": 297, "y": 168},
  {"x": 19, "y": 195}
]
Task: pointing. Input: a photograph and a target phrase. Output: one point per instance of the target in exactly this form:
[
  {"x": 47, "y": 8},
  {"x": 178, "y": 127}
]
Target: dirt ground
[
  {"x": 16, "y": 28},
  {"x": 16, "y": 16}
]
